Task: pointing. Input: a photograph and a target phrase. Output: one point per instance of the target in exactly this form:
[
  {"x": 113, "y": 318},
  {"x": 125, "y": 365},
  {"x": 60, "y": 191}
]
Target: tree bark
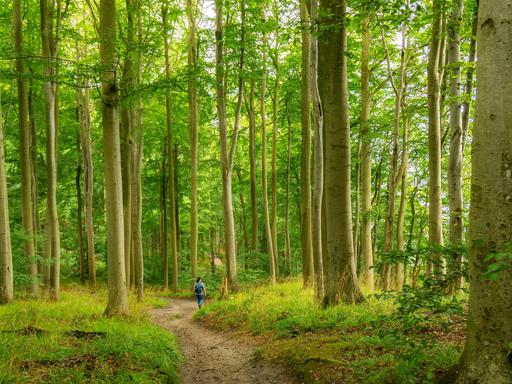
[
  {"x": 193, "y": 124},
  {"x": 25, "y": 157},
  {"x": 252, "y": 160},
  {"x": 117, "y": 290},
  {"x": 275, "y": 127},
  {"x": 400, "y": 268},
  {"x": 287, "y": 242},
  {"x": 137, "y": 156},
  {"x": 305, "y": 165},
  {"x": 228, "y": 154},
  {"x": 368, "y": 274},
  {"x": 171, "y": 154},
  {"x": 318, "y": 162},
  {"x": 163, "y": 221},
  {"x": 6, "y": 271},
  {"x": 435, "y": 225},
  {"x": 468, "y": 87},
  {"x": 79, "y": 222},
  {"x": 85, "y": 138},
  {"x": 455, "y": 159},
  {"x": 486, "y": 356},
  {"x": 341, "y": 283},
  {"x": 395, "y": 170},
  {"x": 266, "y": 216},
  {"x": 49, "y": 53}
]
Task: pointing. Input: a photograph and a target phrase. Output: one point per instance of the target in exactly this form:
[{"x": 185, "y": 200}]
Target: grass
[
  {"x": 71, "y": 342},
  {"x": 346, "y": 344}
]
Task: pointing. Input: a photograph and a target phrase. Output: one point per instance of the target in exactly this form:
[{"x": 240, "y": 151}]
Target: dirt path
[{"x": 214, "y": 357}]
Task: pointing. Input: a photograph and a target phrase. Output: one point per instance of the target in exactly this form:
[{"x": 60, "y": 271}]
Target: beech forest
[{"x": 242, "y": 191}]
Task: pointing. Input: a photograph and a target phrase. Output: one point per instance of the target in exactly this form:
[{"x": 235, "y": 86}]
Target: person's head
[{"x": 198, "y": 280}]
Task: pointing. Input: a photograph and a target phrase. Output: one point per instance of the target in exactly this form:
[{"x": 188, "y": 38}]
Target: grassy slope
[
  {"x": 124, "y": 350},
  {"x": 346, "y": 344}
]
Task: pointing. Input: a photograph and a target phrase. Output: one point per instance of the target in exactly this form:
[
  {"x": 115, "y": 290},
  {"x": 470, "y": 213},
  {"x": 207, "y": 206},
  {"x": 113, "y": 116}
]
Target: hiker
[{"x": 199, "y": 291}]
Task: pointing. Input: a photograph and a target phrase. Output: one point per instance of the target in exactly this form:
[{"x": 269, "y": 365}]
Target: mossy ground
[
  {"x": 70, "y": 341},
  {"x": 346, "y": 344}
]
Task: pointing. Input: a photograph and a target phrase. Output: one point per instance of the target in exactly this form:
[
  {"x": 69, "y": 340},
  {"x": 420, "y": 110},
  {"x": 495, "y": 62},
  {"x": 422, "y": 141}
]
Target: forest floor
[
  {"x": 214, "y": 356},
  {"x": 371, "y": 343}
]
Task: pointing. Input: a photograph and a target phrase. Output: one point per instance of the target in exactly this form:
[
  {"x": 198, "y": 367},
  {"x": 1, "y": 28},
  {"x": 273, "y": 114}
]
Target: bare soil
[{"x": 213, "y": 356}]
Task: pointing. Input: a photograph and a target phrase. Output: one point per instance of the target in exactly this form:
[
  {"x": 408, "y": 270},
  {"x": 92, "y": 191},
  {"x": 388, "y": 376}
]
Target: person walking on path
[{"x": 199, "y": 291}]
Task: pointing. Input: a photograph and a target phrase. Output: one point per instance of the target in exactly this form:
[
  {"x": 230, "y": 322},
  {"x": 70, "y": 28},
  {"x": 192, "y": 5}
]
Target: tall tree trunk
[
  {"x": 252, "y": 160},
  {"x": 193, "y": 125},
  {"x": 468, "y": 87},
  {"x": 163, "y": 220},
  {"x": 137, "y": 156},
  {"x": 394, "y": 170},
  {"x": 435, "y": 225},
  {"x": 27, "y": 217},
  {"x": 6, "y": 271},
  {"x": 117, "y": 290},
  {"x": 486, "y": 356},
  {"x": 455, "y": 159},
  {"x": 79, "y": 222},
  {"x": 305, "y": 164},
  {"x": 49, "y": 52},
  {"x": 266, "y": 215},
  {"x": 368, "y": 275},
  {"x": 341, "y": 283},
  {"x": 400, "y": 268},
  {"x": 318, "y": 163},
  {"x": 228, "y": 154},
  {"x": 88, "y": 180},
  {"x": 171, "y": 155},
  {"x": 287, "y": 242},
  {"x": 127, "y": 130},
  {"x": 44, "y": 268},
  {"x": 275, "y": 126}
]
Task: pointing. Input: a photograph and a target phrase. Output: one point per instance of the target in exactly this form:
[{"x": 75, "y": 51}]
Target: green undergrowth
[
  {"x": 72, "y": 342},
  {"x": 365, "y": 343}
]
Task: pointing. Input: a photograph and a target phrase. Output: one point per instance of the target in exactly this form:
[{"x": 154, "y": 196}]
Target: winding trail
[{"x": 211, "y": 356}]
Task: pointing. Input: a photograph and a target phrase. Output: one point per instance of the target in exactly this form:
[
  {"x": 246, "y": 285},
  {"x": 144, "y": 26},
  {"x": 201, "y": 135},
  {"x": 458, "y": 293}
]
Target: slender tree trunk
[
  {"x": 79, "y": 226},
  {"x": 341, "y": 283},
  {"x": 171, "y": 155},
  {"x": 435, "y": 226},
  {"x": 88, "y": 182},
  {"x": 228, "y": 154},
  {"x": 266, "y": 215},
  {"x": 6, "y": 271},
  {"x": 287, "y": 254},
  {"x": 394, "y": 171},
  {"x": 127, "y": 129},
  {"x": 252, "y": 160},
  {"x": 163, "y": 220},
  {"x": 305, "y": 165},
  {"x": 400, "y": 270},
  {"x": 486, "y": 356},
  {"x": 117, "y": 290},
  {"x": 455, "y": 160},
  {"x": 49, "y": 52},
  {"x": 44, "y": 268},
  {"x": 318, "y": 162},
  {"x": 357, "y": 204},
  {"x": 275, "y": 126},
  {"x": 368, "y": 275},
  {"x": 27, "y": 217},
  {"x": 468, "y": 87},
  {"x": 193, "y": 124},
  {"x": 137, "y": 156}
]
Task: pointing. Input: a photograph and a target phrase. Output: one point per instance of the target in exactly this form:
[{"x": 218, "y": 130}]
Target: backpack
[{"x": 198, "y": 288}]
